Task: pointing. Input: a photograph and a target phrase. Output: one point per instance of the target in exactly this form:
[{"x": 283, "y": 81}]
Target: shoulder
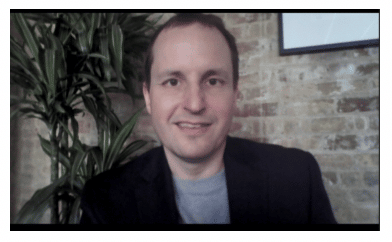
[
  {"x": 275, "y": 158},
  {"x": 127, "y": 174},
  {"x": 246, "y": 148},
  {"x": 110, "y": 196}
]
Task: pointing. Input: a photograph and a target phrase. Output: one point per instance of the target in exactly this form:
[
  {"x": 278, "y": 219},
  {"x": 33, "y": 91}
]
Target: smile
[
  {"x": 192, "y": 125},
  {"x": 193, "y": 129}
]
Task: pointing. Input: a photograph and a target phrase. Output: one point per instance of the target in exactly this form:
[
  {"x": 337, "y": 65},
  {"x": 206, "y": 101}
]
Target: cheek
[
  {"x": 164, "y": 104},
  {"x": 224, "y": 106},
  {"x": 167, "y": 103}
]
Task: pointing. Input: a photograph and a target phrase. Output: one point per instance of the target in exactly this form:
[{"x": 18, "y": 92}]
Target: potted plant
[{"x": 66, "y": 63}]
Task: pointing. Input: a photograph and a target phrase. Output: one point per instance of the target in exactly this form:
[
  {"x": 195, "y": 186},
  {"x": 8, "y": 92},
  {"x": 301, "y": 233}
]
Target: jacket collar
[
  {"x": 155, "y": 193},
  {"x": 247, "y": 191},
  {"x": 246, "y": 179}
]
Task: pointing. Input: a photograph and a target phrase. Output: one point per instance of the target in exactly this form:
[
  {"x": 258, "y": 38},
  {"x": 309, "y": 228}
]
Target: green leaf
[
  {"x": 21, "y": 79},
  {"x": 16, "y": 113},
  {"x": 50, "y": 63},
  {"x": 93, "y": 79},
  {"x": 111, "y": 115},
  {"x": 120, "y": 138},
  {"x": 62, "y": 30},
  {"x": 40, "y": 27},
  {"x": 131, "y": 148},
  {"x": 31, "y": 110},
  {"x": 104, "y": 49},
  {"x": 79, "y": 184},
  {"x": 47, "y": 148},
  {"x": 105, "y": 141},
  {"x": 54, "y": 42},
  {"x": 76, "y": 111},
  {"x": 15, "y": 100},
  {"x": 19, "y": 53},
  {"x": 83, "y": 42},
  {"x": 154, "y": 22},
  {"x": 74, "y": 216},
  {"x": 65, "y": 127},
  {"x": 96, "y": 154},
  {"x": 28, "y": 35},
  {"x": 90, "y": 105},
  {"x": 26, "y": 69},
  {"x": 109, "y": 18},
  {"x": 117, "y": 49},
  {"x": 59, "y": 108},
  {"x": 33, "y": 210},
  {"x": 64, "y": 160},
  {"x": 59, "y": 58},
  {"x": 75, "y": 129},
  {"x": 76, "y": 164},
  {"x": 77, "y": 22},
  {"x": 95, "y": 22},
  {"x": 122, "y": 17},
  {"x": 90, "y": 166},
  {"x": 97, "y": 55},
  {"x": 43, "y": 17},
  {"x": 72, "y": 89}
]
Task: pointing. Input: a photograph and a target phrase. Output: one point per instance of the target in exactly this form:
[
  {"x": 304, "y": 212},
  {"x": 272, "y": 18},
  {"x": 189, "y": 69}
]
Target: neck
[{"x": 195, "y": 170}]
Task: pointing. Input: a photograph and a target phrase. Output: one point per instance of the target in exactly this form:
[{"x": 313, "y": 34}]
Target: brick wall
[{"x": 325, "y": 103}]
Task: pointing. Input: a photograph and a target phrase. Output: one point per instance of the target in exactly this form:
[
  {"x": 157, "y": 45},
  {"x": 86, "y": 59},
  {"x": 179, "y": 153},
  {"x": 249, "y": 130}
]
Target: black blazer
[{"x": 266, "y": 184}]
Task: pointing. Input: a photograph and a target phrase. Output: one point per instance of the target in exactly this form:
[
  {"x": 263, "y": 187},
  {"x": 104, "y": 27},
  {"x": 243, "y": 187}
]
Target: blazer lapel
[
  {"x": 247, "y": 185},
  {"x": 155, "y": 194},
  {"x": 246, "y": 179}
]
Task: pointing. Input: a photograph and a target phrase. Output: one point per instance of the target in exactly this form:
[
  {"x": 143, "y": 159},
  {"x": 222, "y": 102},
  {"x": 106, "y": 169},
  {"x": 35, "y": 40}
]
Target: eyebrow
[
  {"x": 213, "y": 72},
  {"x": 208, "y": 73},
  {"x": 177, "y": 74}
]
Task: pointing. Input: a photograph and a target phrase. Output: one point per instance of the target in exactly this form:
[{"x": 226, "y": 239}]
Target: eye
[
  {"x": 214, "y": 82},
  {"x": 171, "y": 82}
]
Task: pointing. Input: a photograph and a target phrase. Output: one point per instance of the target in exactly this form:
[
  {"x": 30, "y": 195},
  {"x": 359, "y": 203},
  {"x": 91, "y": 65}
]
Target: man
[{"x": 200, "y": 175}]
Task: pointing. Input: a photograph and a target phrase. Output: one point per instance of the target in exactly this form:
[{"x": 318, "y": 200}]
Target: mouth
[
  {"x": 190, "y": 125},
  {"x": 193, "y": 129}
]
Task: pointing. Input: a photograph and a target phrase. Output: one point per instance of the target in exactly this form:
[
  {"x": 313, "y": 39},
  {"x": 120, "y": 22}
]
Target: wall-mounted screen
[{"x": 317, "y": 32}]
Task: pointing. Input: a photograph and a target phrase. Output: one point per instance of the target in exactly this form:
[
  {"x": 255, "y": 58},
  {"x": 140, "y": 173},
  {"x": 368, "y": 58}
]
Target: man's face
[{"x": 191, "y": 97}]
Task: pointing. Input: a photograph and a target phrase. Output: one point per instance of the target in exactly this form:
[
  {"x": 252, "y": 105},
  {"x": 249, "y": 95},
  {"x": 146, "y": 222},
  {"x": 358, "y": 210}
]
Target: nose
[{"x": 194, "y": 100}]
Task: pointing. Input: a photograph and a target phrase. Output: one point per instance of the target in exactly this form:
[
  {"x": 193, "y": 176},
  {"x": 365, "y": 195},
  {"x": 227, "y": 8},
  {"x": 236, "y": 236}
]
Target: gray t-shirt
[{"x": 203, "y": 201}]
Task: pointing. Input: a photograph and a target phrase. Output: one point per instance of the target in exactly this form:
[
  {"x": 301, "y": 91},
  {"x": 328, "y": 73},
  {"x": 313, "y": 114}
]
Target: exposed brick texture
[
  {"x": 335, "y": 124},
  {"x": 257, "y": 110},
  {"x": 325, "y": 103},
  {"x": 371, "y": 179},
  {"x": 347, "y": 105}
]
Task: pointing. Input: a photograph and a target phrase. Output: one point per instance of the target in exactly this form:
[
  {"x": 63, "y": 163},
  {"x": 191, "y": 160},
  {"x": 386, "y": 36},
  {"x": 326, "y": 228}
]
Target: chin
[
  {"x": 194, "y": 158},
  {"x": 196, "y": 153}
]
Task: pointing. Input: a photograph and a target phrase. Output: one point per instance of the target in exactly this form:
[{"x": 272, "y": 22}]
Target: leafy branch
[{"x": 64, "y": 61}]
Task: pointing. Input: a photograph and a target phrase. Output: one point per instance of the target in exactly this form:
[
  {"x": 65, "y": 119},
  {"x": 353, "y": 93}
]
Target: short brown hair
[{"x": 183, "y": 19}]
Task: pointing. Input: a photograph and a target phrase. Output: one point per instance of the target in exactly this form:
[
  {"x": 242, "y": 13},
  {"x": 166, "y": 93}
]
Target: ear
[
  {"x": 146, "y": 95},
  {"x": 236, "y": 94}
]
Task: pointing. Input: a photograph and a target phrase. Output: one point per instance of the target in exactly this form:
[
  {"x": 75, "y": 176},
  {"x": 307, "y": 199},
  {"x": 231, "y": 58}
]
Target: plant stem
[
  {"x": 54, "y": 174},
  {"x": 64, "y": 148}
]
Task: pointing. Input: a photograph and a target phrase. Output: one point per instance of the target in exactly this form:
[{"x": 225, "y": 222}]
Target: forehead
[
  {"x": 184, "y": 44},
  {"x": 188, "y": 32}
]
